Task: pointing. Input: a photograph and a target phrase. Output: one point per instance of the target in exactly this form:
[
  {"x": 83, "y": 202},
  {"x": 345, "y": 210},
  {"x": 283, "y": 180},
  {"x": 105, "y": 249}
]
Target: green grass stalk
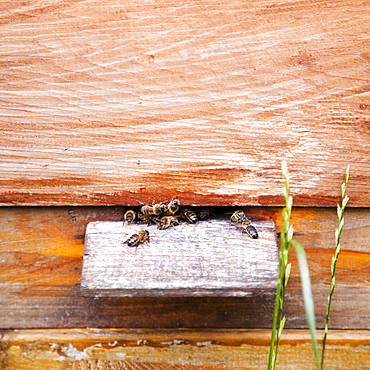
[
  {"x": 307, "y": 298},
  {"x": 283, "y": 276},
  {"x": 286, "y": 239},
  {"x": 338, "y": 233}
]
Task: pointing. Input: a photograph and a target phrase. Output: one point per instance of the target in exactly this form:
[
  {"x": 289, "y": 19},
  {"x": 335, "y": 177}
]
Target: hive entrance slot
[{"x": 209, "y": 258}]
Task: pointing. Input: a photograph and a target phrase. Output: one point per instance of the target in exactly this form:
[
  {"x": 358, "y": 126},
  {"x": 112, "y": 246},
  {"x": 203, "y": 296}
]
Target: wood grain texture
[
  {"x": 41, "y": 252},
  {"x": 110, "y": 349},
  {"x": 211, "y": 258},
  {"x": 106, "y": 103}
]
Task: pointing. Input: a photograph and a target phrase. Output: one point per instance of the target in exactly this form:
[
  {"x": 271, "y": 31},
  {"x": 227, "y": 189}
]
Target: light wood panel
[
  {"x": 115, "y": 102},
  {"x": 41, "y": 252},
  {"x": 210, "y": 258},
  {"x": 108, "y": 349}
]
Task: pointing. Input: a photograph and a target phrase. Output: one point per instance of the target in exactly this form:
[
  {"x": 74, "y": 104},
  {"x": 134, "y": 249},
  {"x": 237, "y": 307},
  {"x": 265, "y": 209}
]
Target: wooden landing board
[{"x": 210, "y": 258}]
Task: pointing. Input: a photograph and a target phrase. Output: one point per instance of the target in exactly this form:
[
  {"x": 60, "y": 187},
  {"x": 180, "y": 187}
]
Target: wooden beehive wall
[{"x": 110, "y": 103}]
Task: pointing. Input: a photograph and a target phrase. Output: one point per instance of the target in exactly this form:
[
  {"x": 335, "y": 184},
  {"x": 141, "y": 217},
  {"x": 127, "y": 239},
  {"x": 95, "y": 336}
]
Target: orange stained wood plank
[
  {"x": 80, "y": 349},
  {"x": 41, "y": 251},
  {"x": 111, "y": 103}
]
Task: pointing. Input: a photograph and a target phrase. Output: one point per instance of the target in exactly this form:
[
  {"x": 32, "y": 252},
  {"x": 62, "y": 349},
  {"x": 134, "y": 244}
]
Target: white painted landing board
[{"x": 210, "y": 258}]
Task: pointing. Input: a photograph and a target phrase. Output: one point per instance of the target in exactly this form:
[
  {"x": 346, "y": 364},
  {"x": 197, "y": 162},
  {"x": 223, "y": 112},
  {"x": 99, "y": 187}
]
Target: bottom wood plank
[
  {"x": 41, "y": 252},
  {"x": 82, "y": 349}
]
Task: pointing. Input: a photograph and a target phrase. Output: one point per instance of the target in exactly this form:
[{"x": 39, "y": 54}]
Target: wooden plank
[
  {"x": 82, "y": 349},
  {"x": 111, "y": 103},
  {"x": 41, "y": 252},
  {"x": 209, "y": 258}
]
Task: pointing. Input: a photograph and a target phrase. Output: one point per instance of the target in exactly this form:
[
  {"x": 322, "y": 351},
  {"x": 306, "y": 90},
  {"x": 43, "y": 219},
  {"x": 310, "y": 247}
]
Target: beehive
[{"x": 107, "y": 104}]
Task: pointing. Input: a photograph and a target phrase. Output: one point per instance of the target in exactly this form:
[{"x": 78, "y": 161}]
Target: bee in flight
[
  {"x": 139, "y": 237},
  {"x": 189, "y": 216},
  {"x": 129, "y": 217}
]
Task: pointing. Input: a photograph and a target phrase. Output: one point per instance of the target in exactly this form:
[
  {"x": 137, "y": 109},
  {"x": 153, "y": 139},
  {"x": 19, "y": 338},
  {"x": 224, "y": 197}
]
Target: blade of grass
[
  {"x": 284, "y": 272},
  {"x": 338, "y": 233},
  {"x": 283, "y": 275},
  {"x": 307, "y": 298},
  {"x": 278, "y": 309},
  {"x": 273, "y": 343}
]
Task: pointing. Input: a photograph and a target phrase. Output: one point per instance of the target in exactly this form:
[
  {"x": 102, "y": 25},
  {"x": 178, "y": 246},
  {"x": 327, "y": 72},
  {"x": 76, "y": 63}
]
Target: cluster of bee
[
  {"x": 169, "y": 214},
  {"x": 164, "y": 215},
  {"x": 239, "y": 217}
]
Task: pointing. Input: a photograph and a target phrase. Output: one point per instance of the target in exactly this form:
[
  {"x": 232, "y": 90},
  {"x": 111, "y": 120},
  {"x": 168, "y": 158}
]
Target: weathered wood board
[
  {"x": 171, "y": 349},
  {"x": 106, "y": 103},
  {"x": 209, "y": 258},
  {"x": 41, "y": 255}
]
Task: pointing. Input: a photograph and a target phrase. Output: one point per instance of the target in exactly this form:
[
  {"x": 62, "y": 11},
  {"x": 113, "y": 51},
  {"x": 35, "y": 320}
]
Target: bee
[
  {"x": 154, "y": 210},
  {"x": 147, "y": 212},
  {"x": 129, "y": 217},
  {"x": 172, "y": 207},
  {"x": 203, "y": 213},
  {"x": 167, "y": 221},
  {"x": 141, "y": 219},
  {"x": 189, "y": 216},
  {"x": 139, "y": 237},
  {"x": 238, "y": 217},
  {"x": 249, "y": 229}
]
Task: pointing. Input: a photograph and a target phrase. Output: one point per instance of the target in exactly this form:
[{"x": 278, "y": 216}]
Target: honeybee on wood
[
  {"x": 154, "y": 210},
  {"x": 172, "y": 207},
  {"x": 147, "y": 212},
  {"x": 139, "y": 237},
  {"x": 141, "y": 219},
  {"x": 189, "y": 216},
  {"x": 238, "y": 217},
  {"x": 249, "y": 229},
  {"x": 129, "y": 217},
  {"x": 167, "y": 221}
]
